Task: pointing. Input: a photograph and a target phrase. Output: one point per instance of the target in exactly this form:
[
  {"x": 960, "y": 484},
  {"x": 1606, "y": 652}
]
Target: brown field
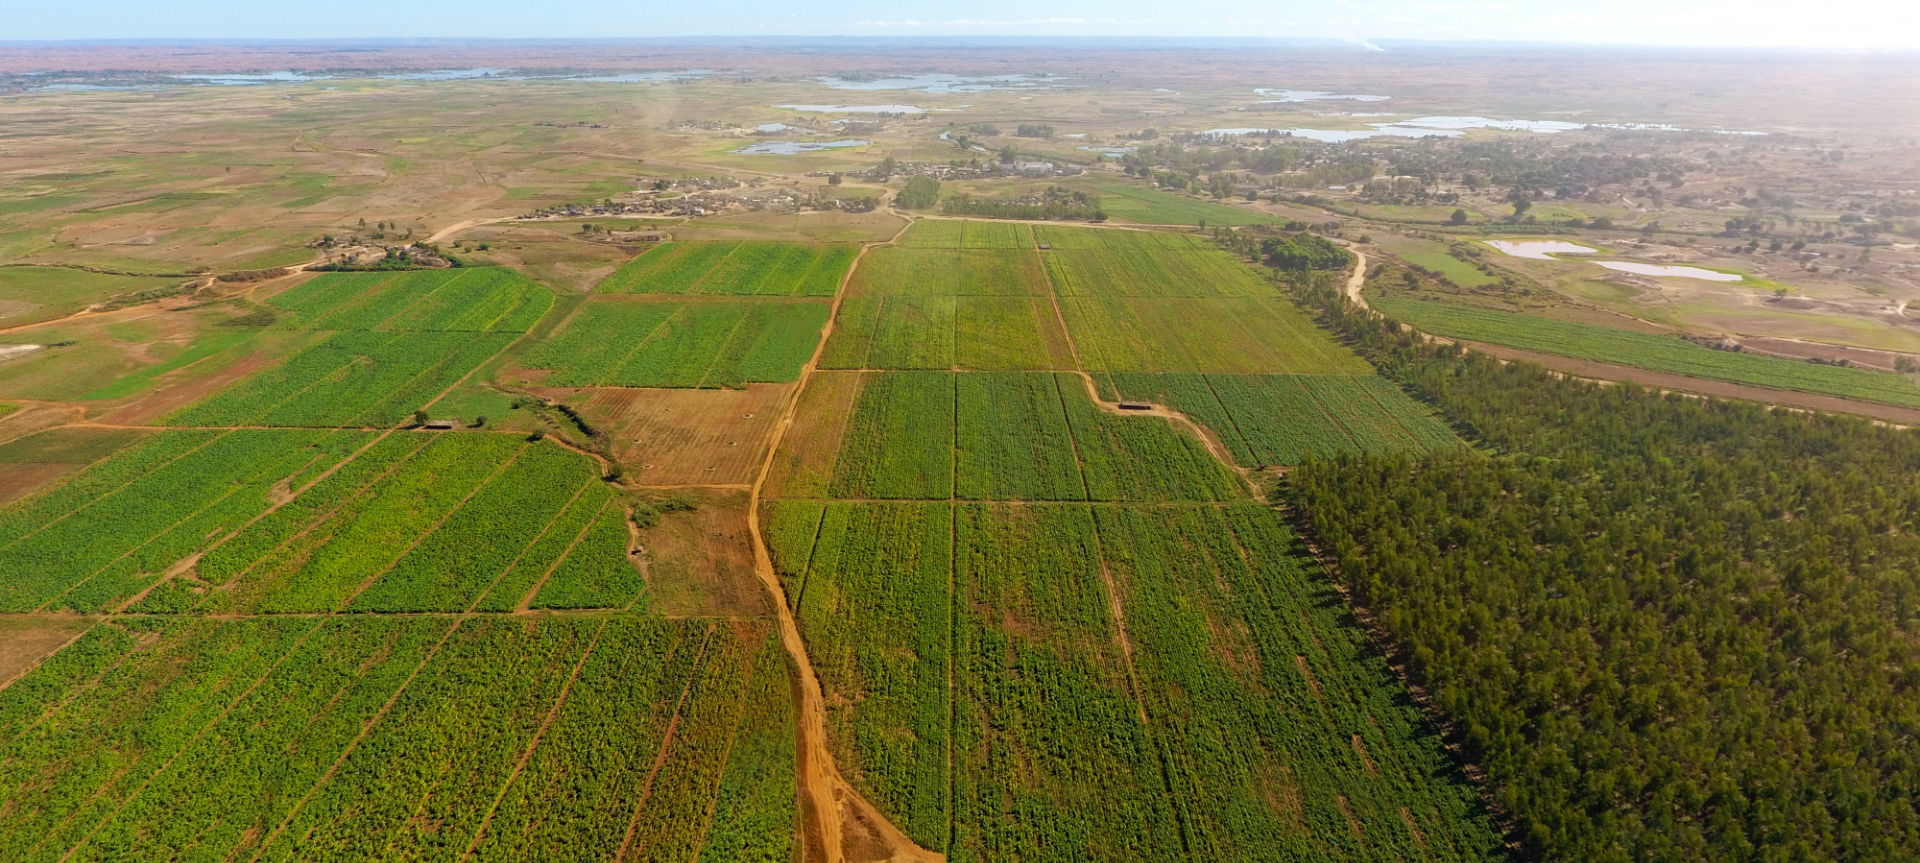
[
  {"x": 803, "y": 465},
  {"x": 699, "y": 562},
  {"x": 671, "y": 437},
  {"x": 24, "y": 641}
]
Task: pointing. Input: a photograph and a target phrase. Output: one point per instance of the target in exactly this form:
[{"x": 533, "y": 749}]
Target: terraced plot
[
  {"x": 682, "y": 344},
  {"x": 738, "y": 269}
]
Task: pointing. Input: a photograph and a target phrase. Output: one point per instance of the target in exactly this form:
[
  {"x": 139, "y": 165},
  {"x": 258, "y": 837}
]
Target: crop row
[
  {"x": 934, "y": 332},
  {"x": 1260, "y": 693},
  {"x": 352, "y": 379},
  {"x": 1017, "y": 435},
  {"x": 402, "y": 737},
  {"x": 1153, "y": 273},
  {"x": 896, "y": 271},
  {"x": 966, "y": 234},
  {"x": 976, "y": 669},
  {"x": 874, "y": 611},
  {"x": 1249, "y": 335},
  {"x": 1650, "y": 351},
  {"x": 480, "y": 299},
  {"x": 737, "y": 269},
  {"x": 670, "y": 344},
  {"x": 104, "y": 537},
  {"x": 1268, "y": 420},
  {"x": 1063, "y": 237},
  {"x": 596, "y": 572}
]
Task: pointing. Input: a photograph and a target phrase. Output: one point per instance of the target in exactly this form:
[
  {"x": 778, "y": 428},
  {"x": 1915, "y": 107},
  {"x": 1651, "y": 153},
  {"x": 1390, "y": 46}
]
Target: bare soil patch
[
  {"x": 19, "y": 480},
  {"x": 699, "y": 562},
  {"x": 25, "y": 641},
  {"x": 803, "y": 466},
  {"x": 671, "y": 437},
  {"x": 178, "y": 389}
]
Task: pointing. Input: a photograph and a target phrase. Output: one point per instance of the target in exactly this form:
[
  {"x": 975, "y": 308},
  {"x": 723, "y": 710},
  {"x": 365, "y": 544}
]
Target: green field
[
  {"x": 361, "y": 379},
  {"x": 1269, "y": 420},
  {"x": 1271, "y": 730},
  {"x": 935, "y": 332},
  {"x": 949, "y": 272},
  {"x": 1250, "y": 335},
  {"x": 478, "y": 299},
  {"x": 1457, "y": 271},
  {"x": 1650, "y": 351},
  {"x": 1152, "y": 273},
  {"x": 965, "y": 234},
  {"x": 1154, "y": 207},
  {"x": 29, "y": 294},
  {"x": 292, "y": 738},
  {"x": 1012, "y": 435},
  {"x": 752, "y": 268},
  {"x": 682, "y": 344}
]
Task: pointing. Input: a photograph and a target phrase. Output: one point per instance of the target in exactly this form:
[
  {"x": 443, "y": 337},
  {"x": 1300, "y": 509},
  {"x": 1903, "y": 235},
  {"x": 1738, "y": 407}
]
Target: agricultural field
[
  {"x": 949, "y": 272},
  {"x": 702, "y": 343},
  {"x": 29, "y": 294},
  {"x": 965, "y": 234},
  {"x": 1247, "y": 335},
  {"x": 763, "y": 269},
  {"x": 982, "y": 640},
  {"x": 989, "y": 333},
  {"x": 1651, "y": 351},
  {"x": 1152, "y": 273},
  {"x": 1154, "y": 207},
  {"x": 353, "y": 378},
  {"x": 1270, "y": 420},
  {"x": 475, "y": 299},
  {"x": 685, "y": 437}
]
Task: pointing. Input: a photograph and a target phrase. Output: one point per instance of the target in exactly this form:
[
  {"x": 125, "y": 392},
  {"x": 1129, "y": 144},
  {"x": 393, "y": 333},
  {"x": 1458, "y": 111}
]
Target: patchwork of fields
[
  {"x": 1650, "y": 351},
  {"x": 1044, "y": 628}
]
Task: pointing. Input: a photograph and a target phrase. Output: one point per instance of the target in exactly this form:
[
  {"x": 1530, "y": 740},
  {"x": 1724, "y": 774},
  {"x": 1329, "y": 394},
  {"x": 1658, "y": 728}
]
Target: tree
[
  {"x": 833, "y": 179},
  {"x": 1459, "y": 217},
  {"x": 920, "y": 193},
  {"x": 1009, "y": 155},
  {"x": 420, "y": 417},
  {"x": 887, "y": 167}
]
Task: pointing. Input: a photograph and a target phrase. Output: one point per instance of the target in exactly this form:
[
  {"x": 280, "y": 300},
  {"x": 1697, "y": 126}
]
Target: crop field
[
  {"x": 990, "y": 333},
  {"x": 479, "y": 299},
  {"x": 941, "y": 272},
  {"x": 1152, "y": 273},
  {"x": 1248, "y": 335},
  {"x": 966, "y": 234},
  {"x": 965, "y": 648},
  {"x": 1154, "y": 207},
  {"x": 332, "y": 739},
  {"x": 1271, "y": 420},
  {"x": 1067, "y": 238},
  {"x": 361, "y": 379},
  {"x": 1651, "y": 351},
  {"x": 989, "y": 435},
  {"x": 682, "y": 344},
  {"x": 737, "y": 269}
]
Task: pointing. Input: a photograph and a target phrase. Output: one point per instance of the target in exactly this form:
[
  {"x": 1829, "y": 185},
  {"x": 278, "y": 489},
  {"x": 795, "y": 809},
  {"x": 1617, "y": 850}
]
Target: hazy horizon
[{"x": 1845, "y": 24}]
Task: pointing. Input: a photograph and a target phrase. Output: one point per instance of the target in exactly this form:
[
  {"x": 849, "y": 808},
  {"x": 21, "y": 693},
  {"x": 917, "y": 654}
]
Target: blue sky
[{"x": 1781, "y": 23}]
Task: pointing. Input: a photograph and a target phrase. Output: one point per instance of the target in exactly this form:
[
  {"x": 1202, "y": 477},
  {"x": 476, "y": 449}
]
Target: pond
[
  {"x": 1111, "y": 152},
  {"x": 1539, "y": 250},
  {"x": 1670, "y": 271},
  {"x": 795, "y": 148},
  {"x": 945, "y": 83},
  {"x": 1314, "y": 96}
]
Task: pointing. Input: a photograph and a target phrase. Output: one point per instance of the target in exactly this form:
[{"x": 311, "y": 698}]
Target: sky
[{"x": 1842, "y": 24}]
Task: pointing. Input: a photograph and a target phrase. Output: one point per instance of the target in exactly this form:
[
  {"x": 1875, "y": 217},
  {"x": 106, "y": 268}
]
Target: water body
[
  {"x": 795, "y": 148},
  {"x": 247, "y": 79},
  {"x": 1111, "y": 152},
  {"x": 1539, "y": 250},
  {"x": 1444, "y": 127},
  {"x": 447, "y": 74},
  {"x": 856, "y": 109},
  {"x": 643, "y": 77},
  {"x": 772, "y": 127},
  {"x": 1670, "y": 271},
  {"x": 944, "y": 83},
  {"x": 1337, "y": 136},
  {"x": 1315, "y": 96}
]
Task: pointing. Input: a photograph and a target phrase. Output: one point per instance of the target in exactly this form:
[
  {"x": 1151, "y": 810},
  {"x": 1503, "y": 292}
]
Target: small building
[
  {"x": 1136, "y": 406},
  {"x": 439, "y": 425},
  {"x": 1046, "y": 247}
]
